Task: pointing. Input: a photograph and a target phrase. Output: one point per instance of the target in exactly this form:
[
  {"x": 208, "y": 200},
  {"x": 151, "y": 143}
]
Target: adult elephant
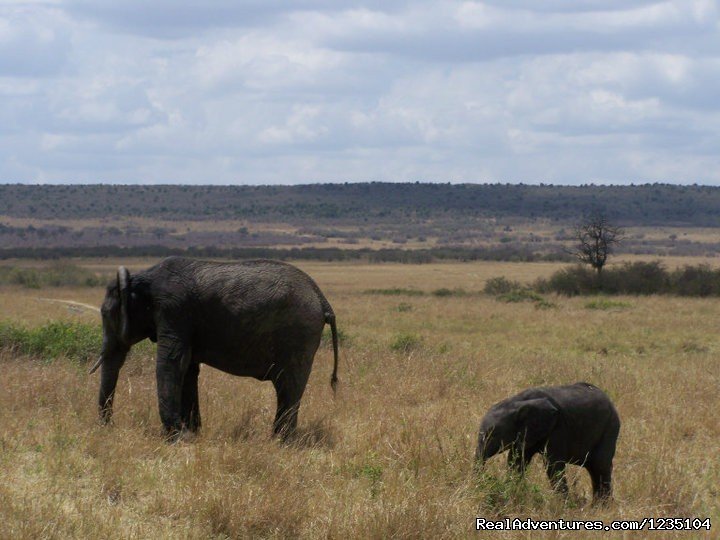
[{"x": 259, "y": 318}]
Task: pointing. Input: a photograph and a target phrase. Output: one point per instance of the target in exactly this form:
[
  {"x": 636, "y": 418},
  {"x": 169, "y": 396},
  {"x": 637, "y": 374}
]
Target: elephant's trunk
[
  {"x": 487, "y": 447},
  {"x": 479, "y": 457},
  {"x": 111, "y": 362},
  {"x": 108, "y": 381}
]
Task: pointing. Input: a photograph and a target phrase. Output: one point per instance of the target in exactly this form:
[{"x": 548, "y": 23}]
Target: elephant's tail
[{"x": 330, "y": 319}]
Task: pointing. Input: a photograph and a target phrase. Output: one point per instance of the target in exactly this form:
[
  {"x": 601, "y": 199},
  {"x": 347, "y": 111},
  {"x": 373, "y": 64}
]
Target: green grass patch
[
  {"x": 449, "y": 292},
  {"x": 512, "y": 292},
  {"x": 55, "y": 275},
  {"x": 343, "y": 337},
  {"x": 501, "y": 285},
  {"x": 73, "y": 340},
  {"x": 405, "y": 343},
  {"x": 604, "y": 304},
  {"x": 509, "y": 491},
  {"x": 396, "y": 291},
  {"x": 76, "y": 341},
  {"x": 526, "y": 295}
]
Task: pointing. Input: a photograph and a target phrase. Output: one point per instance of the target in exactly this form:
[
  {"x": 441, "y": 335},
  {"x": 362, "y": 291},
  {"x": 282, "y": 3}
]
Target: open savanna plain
[{"x": 423, "y": 354}]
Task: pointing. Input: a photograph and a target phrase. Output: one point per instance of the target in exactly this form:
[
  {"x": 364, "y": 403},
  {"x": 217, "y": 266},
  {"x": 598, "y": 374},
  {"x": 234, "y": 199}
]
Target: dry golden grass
[{"x": 391, "y": 456}]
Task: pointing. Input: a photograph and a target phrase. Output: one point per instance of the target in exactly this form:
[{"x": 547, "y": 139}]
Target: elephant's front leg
[
  {"x": 556, "y": 474},
  {"x": 518, "y": 459},
  {"x": 190, "y": 402},
  {"x": 172, "y": 363}
]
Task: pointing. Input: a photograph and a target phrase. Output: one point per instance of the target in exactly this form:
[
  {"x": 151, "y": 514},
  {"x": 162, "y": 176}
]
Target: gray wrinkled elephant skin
[
  {"x": 261, "y": 319},
  {"x": 575, "y": 424}
]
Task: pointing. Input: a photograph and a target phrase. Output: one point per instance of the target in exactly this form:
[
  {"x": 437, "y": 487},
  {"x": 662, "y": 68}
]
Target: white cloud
[
  {"x": 279, "y": 92},
  {"x": 34, "y": 41}
]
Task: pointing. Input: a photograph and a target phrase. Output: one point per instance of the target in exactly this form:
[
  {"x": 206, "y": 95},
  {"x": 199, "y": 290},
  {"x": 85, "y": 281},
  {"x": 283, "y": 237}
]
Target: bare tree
[{"x": 596, "y": 238}]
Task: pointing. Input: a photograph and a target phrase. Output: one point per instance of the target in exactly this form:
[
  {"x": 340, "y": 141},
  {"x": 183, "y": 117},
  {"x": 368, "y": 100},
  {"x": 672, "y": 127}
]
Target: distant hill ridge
[{"x": 647, "y": 204}]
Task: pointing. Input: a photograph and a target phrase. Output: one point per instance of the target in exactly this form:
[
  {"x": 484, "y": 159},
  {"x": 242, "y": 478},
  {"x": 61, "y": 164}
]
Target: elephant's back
[
  {"x": 258, "y": 297},
  {"x": 583, "y": 404}
]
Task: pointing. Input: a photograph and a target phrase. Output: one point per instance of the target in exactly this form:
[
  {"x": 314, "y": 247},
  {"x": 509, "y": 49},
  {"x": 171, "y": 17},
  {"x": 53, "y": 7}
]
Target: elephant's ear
[
  {"x": 123, "y": 284},
  {"x": 535, "y": 420}
]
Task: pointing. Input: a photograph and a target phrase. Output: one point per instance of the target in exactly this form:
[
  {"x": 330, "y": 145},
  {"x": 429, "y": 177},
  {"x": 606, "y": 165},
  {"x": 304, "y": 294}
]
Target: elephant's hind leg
[
  {"x": 600, "y": 466},
  {"x": 601, "y": 476},
  {"x": 289, "y": 387},
  {"x": 190, "y": 404}
]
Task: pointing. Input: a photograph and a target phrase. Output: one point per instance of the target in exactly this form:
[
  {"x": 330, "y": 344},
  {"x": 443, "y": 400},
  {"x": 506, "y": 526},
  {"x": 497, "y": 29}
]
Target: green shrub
[
  {"x": 570, "y": 281},
  {"x": 500, "y": 285},
  {"x": 396, "y": 291},
  {"x": 403, "y": 307},
  {"x": 449, "y": 292},
  {"x": 635, "y": 278},
  {"x": 698, "y": 280},
  {"x": 629, "y": 278},
  {"x": 405, "y": 343}
]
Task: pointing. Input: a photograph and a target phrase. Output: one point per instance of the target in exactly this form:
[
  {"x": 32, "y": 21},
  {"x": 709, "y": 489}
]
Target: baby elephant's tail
[{"x": 330, "y": 319}]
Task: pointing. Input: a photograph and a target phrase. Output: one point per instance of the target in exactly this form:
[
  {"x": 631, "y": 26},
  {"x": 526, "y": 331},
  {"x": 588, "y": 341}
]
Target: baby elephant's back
[{"x": 584, "y": 406}]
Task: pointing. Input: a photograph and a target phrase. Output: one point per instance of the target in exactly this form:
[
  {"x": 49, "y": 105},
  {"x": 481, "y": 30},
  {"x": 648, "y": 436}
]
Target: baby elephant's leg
[
  {"x": 601, "y": 476},
  {"x": 519, "y": 459},
  {"x": 556, "y": 473},
  {"x": 600, "y": 467}
]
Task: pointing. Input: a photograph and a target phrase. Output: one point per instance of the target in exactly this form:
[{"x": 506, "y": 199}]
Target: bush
[
  {"x": 569, "y": 281},
  {"x": 449, "y": 292},
  {"x": 73, "y": 340},
  {"x": 695, "y": 281},
  {"x": 637, "y": 278},
  {"x": 500, "y": 285}
]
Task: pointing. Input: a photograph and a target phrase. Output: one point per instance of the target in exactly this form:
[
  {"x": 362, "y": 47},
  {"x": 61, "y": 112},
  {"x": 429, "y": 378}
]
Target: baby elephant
[{"x": 576, "y": 423}]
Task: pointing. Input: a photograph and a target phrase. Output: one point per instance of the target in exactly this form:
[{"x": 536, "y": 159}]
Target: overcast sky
[{"x": 282, "y": 92}]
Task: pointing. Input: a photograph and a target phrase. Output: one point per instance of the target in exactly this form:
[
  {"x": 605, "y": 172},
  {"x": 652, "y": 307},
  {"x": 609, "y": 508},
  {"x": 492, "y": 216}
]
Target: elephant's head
[
  {"x": 126, "y": 319},
  {"x": 515, "y": 424}
]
